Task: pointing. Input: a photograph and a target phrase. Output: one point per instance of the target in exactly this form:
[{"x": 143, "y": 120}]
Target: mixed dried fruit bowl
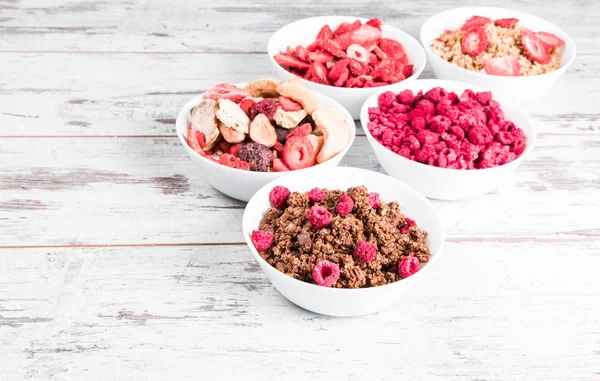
[
  {"x": 448, "y": 147},
  {"x": 516, "y": 55},
  {"x": 337, "y": 299},
  {"x": 305, "y": 48},
  {"x": 239, "y": 148}
]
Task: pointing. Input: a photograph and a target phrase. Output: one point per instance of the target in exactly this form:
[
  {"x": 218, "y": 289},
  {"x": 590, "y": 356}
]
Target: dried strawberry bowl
[
  {"x": 448, "y": 147},
  {"x": 530, "y": 54},
  {"x": 304, "y": 32},
  {"x": 334, "y": 299},
  {"x": 222, "y": 135}
]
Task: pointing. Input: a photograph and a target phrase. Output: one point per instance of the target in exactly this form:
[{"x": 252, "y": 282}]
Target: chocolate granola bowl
[{"x": 353, "y": 247}]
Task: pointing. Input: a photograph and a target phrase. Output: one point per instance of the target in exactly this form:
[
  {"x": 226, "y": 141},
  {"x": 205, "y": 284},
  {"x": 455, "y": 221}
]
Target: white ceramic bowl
[
  {"x": 303, "y": 32},
  {"x": 348, "y": 302},
  {"x": 445, "y": 183},
  {"x": 241, "y": 184},
  {"x": 517, "y": 89}
]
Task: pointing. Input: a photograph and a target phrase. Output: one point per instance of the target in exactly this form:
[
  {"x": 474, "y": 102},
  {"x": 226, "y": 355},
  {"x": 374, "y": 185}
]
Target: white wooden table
[{"x": 118, "y": 262}]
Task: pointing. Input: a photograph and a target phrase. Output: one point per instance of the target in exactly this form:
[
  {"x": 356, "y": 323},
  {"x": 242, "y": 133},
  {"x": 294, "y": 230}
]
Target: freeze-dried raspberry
[
  {"x": 319, "y": 217},
  {"x": 262, "y": 240},
  {"x": 365, "y": 251},
  {"x": 387, "y": 138},
  {"x": 267, "y": 106},
  {"x": 279, "y": 196},
  {"x": 418, "y": 123},
  {"x": 374, "y": 200},
  {"x": 385, "y": 99},
  {"x": 426, "y": 106},
  {"x": 405, "y": 97},
  {"x": 412, "y": 143},
  {"x": 427, "y": 137},
  {"x": 316, "y": 195},
  {"x": 479, "y": 135},
  {"x": 439, "y": 123},
  {"x": 416, "y": 113},
  {"x": 345, "y": 205},
  {"x": 408, "y": 266},
  {"x": 435, "y": 95},
  {"x": 483, "y": 97},
  {"x": 326, "y": 273}
]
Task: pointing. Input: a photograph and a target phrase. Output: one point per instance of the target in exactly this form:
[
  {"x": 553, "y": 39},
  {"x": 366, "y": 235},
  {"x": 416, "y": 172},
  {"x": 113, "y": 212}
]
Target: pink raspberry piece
[
  {"x": 316, "y": 195},
  {"x": 319, "y": 217},
  {"x": 386, "y": 99},
  {"x": 326, "y": 273},
  {"x": 262, "y": 240},
  {"x": 408, "y": 266},
  {"x": 365, "y": 251},
  {"x": 279, "y": 196},
  {"x": 374, "y": 200},
  {"x": 345, "y": 205},
  {"x": 409, "y": 222},
  {"x": 405, "y": 97}
]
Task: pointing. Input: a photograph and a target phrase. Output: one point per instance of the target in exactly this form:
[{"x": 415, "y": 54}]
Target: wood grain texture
[
  {"x": 508, "y": 312},
  {"x": 192, "y": 26},
  {"x": 146, "y": 190},
  {"x": 133, "y": 94}
]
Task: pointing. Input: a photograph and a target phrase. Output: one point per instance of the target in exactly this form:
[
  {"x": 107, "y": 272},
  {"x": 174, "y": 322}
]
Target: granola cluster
[{"x": 315, "y": 240}]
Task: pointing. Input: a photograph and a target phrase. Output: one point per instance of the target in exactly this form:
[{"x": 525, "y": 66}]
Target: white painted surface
[{"x": 118, "y": 262}]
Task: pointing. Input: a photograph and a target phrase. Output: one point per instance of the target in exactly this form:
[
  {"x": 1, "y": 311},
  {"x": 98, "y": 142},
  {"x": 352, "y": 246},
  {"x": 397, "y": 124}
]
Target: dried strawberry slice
[
  {"x": 235, "y": 149},
  {"x": 298, "y": 153},
  {"x": 301, "y": 131},
  {"x": 364, "y": 35},
  {"x": 192, "y": 140},
  {"x": 506, "y": 23},
  {"x": 347, "y": 27},
  {"x": 318, "y": 73},
  {"x": 289, "y": 105},
  {"x": 507, "y": 66},
  {"x": 393, "y": 49},
  {"x": 333, "y": 47},
  {"x": 302, "y": 53},
  {"x": 325, "y": 33},
  {"x": 246, "y": 105},
  {"x": 408, "y": 70},
  {"x": 388, "y": 71},
  {"x": 535, "y": 48},
  {"x": 375, "y": 23},
  {"x": 320, "y": 56},
  {"x": 338, "y": 69},
  {"x": 317, "y": 44},
  {"x": 225, "y": 91},
  {"x": 474, "y": 42},
  {"x": 279, "y": 166},
  {"x": 290, "y": 61},
  {"x": 356, "y": 67},
  {"x": 342, "y": 78},
  {"x": 475, "y": 22},
  {"x": 550, "y": 40}
]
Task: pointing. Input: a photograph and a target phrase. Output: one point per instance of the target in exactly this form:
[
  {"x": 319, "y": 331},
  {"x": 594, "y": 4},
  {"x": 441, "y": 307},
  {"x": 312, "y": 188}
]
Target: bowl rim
[
  {"x": 184, "y": 109},
  {"x": 431, "y": 55},
  {"x": 531, "y": 136},
  {"x": 417, "y": 71},
  {"x": 365, "y": 290}
]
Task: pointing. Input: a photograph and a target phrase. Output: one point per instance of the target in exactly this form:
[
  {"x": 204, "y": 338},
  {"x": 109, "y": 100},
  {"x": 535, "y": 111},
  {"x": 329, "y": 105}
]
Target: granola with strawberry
[
  {"x": 352, "y": 55},
  {"x": 268, "y": 126},
  {"x": 499, "y": 47}
]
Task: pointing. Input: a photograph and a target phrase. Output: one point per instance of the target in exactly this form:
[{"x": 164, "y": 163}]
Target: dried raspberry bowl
[
  {"x": 323, "y": 298},
  {"x": 441, "y": 145},
  {"x": 304, "y": 32},
  {"x": 522, "y": 79},
  {"x": 239, "y": 170}
]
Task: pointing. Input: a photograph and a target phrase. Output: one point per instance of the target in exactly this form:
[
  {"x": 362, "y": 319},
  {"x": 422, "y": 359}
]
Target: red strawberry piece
[
  {"x": 192, "y": 141},
  {"x": 301, "y": 131},
  {"x": 298, "y": 153},
  {"x": 408, "y": 70},
  {"x": 235, "y": 149},
  {"x": 375, "y": 23},
  {"x": 393, "y": 49},
  {"x": 315, "y": 45},
  {"x": 342, "y": 79},
  {"x": 325, "y": 33},
  {"x": 226, "y": 91},
  {"x": 475, "y": 22},
  {"x": 228, "y": 160},
  {"x": 289, "y": 105},
  {"x": 333, "y": 47},
  {"x": 355, "y": 82},
  {"x": 474, "y": 42},
  {"x": 388, "y": 71},
  {"x": 550, "y": 40},
  {"x": 357, "y": 52},
  {"x": 320, "y": 56},
  {"x": 535, "y": 48},
  {"x": 246, "y": 105},
  {"x": 318, "y": 73},
  {"x": 279, "y": 166},
  {"x": 364, "y": 35},
  {"x": 290, "y": 61},
  {"x": 507, "y": 65},
  {"x": 278, "y": 147},
  {"x": 338, "y": 69},
  {"x": 346, "y": 27},
  {"x": 506, "y": 23},
  {"x": 241, "y": 164},
  {"x": 373, "y": 57},
  {"x": 262, "y": 240},
  {"x": 356, "y": 68},
  {"x": 302, "y": 53},
  {"x": 380, "y": 53}
]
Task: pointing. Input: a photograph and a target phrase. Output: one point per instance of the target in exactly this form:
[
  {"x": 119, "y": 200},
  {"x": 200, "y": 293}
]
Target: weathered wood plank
[
  {"x": 129, "y": 25},
  {"x": 149, "y": 313},
  {"x": 146, "y": 190},
  {"x": 91, "y": 95}
]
